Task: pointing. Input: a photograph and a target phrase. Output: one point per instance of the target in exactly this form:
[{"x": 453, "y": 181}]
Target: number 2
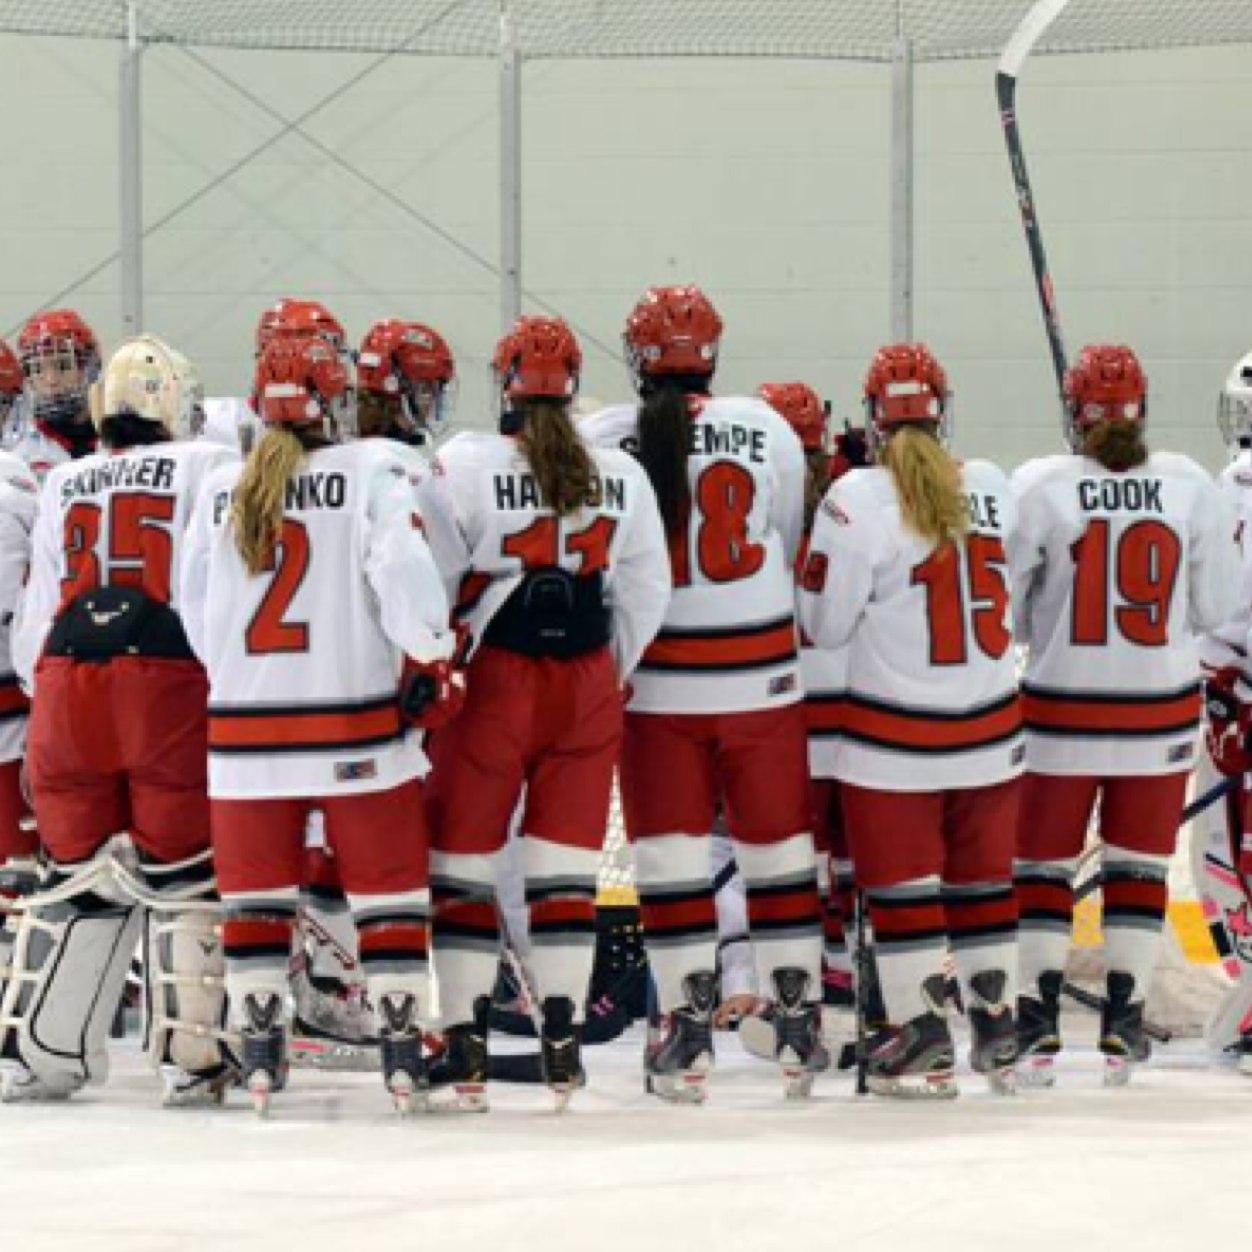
[{"x": 289, "y": 559}]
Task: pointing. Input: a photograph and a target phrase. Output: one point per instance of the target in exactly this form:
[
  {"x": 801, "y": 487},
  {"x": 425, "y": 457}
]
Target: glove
[
  {"x": 431, "y": 694},
  {"x": 1229, "y": 721}
]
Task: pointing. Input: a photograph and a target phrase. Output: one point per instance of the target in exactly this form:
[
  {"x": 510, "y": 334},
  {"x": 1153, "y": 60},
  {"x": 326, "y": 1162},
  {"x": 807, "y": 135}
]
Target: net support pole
[
  {"x": 902, "y": 191},
  {"x": 510, "y": 171},
  {"x": 130, "y": 175}
]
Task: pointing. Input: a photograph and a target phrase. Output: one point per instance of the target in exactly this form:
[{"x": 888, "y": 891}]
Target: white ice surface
[{"x": 1163, "y": 1164}]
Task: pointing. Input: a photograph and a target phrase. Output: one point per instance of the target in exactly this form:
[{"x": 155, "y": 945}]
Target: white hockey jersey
[
  {"x": 1226, "y": 646},
  {"x": 1114, "y": 575},
  {"x": 931, "y": 698},
  {"x": 304, "y": 661},
  {"x": 230, "y": 421},
  {"x": 41, "y": 451},
  {"x": 728, "y": 643},
  {"x": 487, "y": 527},
  {"x": 105, "y": 519},
  {"x": 824, "y": 676},
  {"x": 18, "y": 493}
]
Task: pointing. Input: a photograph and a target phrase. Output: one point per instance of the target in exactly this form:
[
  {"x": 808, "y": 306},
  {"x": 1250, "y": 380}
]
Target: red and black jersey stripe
[
  {"x": 712, "y": 651},
  {"x": 12, "y": 702},
  {"x": 929, "y": 731},
  {"x": 243, "y": 730},
  {"x": 1097, "y": 715},
  {"x": 824, "y": 715}
]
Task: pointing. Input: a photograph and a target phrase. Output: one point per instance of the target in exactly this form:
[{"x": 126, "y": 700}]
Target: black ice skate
[
  {"x": 994, "y": 1047},
  {"x": 400, "y": 1044},
  {"x": 916, "y": 1060},
  {"x": 461, "y": 1067},
  {"x": 1123, "y": 1039},
  {"x": 263, "y": 1050},
  {"x": 798, "y": 1045},
  {"x": 1039, "y": 1031},
  {"x": 676, "y": 1066},
  {"x": 559, "y": 1049}
]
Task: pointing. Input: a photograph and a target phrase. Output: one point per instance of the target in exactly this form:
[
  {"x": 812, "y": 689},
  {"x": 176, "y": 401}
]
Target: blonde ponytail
[
  {"x": 260, "y": 498},
  {"x": 928, "y": 482}
]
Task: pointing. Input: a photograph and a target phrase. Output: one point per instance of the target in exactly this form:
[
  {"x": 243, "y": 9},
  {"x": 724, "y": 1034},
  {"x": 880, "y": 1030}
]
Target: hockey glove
[
  {"x": 1229, "y": 723},
  {"x": 431, "y": 695}
]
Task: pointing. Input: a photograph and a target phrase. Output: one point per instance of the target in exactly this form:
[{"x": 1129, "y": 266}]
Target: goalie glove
[{"x": 1228, "y": 723}]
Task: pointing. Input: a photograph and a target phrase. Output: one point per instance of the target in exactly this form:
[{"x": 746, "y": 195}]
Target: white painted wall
[{"x": 764, "y": 181}]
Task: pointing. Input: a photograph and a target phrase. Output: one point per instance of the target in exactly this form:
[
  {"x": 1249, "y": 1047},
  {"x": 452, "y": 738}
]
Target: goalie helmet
[
  {"x": 1234, "y": 405},
  {"x": 301, "y": 381},
  {"x": 148, "y": 379},
  {"x": 802, "y": 409},
  {"x": 60, "y": 359},
  {"x": 538, "y": 358},
  {"x": 672, "y": 330},
  {"x": 1106, "y": 383},
  {"x": 410, "y": 362},
  {"x": 906, "y": 385}
]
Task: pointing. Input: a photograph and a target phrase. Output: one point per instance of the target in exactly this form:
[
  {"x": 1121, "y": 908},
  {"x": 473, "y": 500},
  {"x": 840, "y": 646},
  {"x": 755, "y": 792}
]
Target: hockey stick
[
  {"x": 861, "y": 998},
  {"x": 1089, "y": 999},
  {"x": 1024, "y": 38}
]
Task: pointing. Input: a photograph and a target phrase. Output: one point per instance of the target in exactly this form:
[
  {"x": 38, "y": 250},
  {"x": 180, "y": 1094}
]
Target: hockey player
[
  {"x": 559, "y": 556},
  {"x": 60, "y": 360},
  {"x": 117, "y": 745},
  {"x": 406, "y": 383},
  {"x": 717, "y": 705},
  {"x": 1124, "y": 555},
  {"x": 11, "y": 388},
  {"x": 306, "y": 582},
  {"x": 907, "y": 566}
]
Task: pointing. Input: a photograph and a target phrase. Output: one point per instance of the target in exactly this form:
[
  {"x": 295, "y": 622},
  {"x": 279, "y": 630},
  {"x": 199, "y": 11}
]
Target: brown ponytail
[
  {"x": 928, "y": 483},
  {"x": 664, "y": 442},
  {"x": 260, "y": 497},
  {"x": 1117, "y": 445},
  {"x": 558, "y": 458}
]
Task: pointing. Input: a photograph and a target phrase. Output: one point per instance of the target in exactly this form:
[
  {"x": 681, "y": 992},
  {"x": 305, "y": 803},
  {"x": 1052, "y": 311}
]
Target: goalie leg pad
[{"x": 67, "y": 973}]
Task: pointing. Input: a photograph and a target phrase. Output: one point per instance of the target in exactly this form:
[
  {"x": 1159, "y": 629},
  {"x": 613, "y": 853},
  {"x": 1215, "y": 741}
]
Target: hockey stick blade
[{"x": 1089, "y": 1000}]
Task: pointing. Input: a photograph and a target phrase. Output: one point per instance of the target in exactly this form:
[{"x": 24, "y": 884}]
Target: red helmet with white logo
[
  {"x": 802, "y": 408},
  {"x": 301, "y": 380},
  {"x": 672, "y": 330},
  {"x": 1105, "y": 383},
  {"x": 906, "y": 385},
  {"x": 10, "y": 373},
  {"x": 412, "y": 363},
  {"x": 538, "y": 358},
  {"x": 60, "y": 359}
]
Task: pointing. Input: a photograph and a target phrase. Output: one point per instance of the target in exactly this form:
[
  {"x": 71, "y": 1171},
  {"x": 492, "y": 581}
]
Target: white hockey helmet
[
  {"x": 1234, "y": 405},
  {"x": 149, "y": 379}
]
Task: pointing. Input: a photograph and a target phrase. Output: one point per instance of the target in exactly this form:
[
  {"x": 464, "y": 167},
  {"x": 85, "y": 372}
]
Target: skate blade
[
  {"x": 333, "y": 1054},
  {"x": 1036, "y": 1072},
  {"x": 18, "y": 1085},
  {"x": 260, "y": 1089},
  {"x": 687, "y": 1087},
  {"x": 466, "y": 1097},
  {"x": 180, "y": 1091},
  {"x": 1245, "y": 1065},
  {"x": 562, "y": 1094},
  {"x": 940, "y": 1085},
  {"x": 1002, "y": 1080},
  {"x": 407, "y": 1097},
  {"x": 1117, "y": 1070},
  {"x": 797, "y": 1082}
]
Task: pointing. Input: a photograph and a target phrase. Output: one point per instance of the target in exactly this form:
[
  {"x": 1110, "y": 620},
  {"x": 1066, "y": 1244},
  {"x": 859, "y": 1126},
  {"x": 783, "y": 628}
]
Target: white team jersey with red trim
[
  {"x": 1114, "y": 576},
  {"x": 728, "y": 643},
  {"x": 488, "y": 527},
  {"x": 304, "y": 659},
  {"x": 111, "y": 518},
  {"x": 931, "y": 698},
  {"x": 41, "y": 452},
  {"x": 18, "y": 494},
  {"x": 1227, "y": 645},
  {"x": 824, "y": 675}
]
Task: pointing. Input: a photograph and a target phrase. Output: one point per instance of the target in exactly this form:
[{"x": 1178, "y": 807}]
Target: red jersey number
[
  {"x": 269, "y": 631},
  {"x": 959, "y": 604},
  {"x": 722, "y": 502},
  {"x": 1144, "y": 563},
  {"x": 539, "y": 545},
  {"x": 140, "y": 546}
]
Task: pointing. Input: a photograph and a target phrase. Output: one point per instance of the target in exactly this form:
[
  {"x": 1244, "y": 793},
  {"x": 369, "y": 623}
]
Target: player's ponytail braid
[
  {"x": 1117, "y": 445},
  {"x": 664, "y": 442},
  {"x": 558, "y": 458},
  {"x": 928, "y": 483},
  {"x": 257, "y": 512}
]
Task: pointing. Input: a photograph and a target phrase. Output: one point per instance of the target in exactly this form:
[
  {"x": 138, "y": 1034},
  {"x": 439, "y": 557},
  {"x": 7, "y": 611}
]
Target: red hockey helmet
[
  {"x": 10, "y": 373},
  {"x": 311, "y": 317},
  {"x": 60, "y": 358},
  {"x": 300, "y": 380},
  {"x": 269, "y": 322},
  {"x": 539, "y": 357},
  {"x": 906, "y": 385},
  {"x": 1105, "y": 383},
  {"x": 412, "y": 362},
  {"x": 672, "y": 330},
  {"x": 802, "y": 408}
]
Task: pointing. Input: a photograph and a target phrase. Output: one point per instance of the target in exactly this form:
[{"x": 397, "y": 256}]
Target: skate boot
[
  {"x": 1039, "y": 1031},
  {"x": 798, "y": 1045},
  {"x": 1123, "y": 1039},
  {"x": 916, "y": 1060},
  {"x": 559, "y": 1053},
  {"x": 462, "y": 1066},
  {"x": 400, "y": 1043},
  {"x": 1242, "y": 1051},
  {"x": 994, "y": 1047},
  {"x": 676, "y": 1066},
  {"x": 263, "y": 1050}
]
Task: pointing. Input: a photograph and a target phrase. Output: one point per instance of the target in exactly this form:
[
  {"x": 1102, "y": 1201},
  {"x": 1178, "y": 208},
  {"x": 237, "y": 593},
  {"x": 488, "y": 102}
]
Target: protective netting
[{"x": 807, "y": 29}]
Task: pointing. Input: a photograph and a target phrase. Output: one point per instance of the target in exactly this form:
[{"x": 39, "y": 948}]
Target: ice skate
[
  {"x": 263, "y": 1043},
  {"x": 182, "y": 1089},
  {"x": 18, "y": 1084},
  {"x": 677, "y": 1064},
  {"x": 914, "y": 1061},
  {"x": 798, "y": 1045},
  {"x": 1038, "y": 1032},
  {"x": 400, "y": 1043},
  {"x": 1123, "y": 1039},
  {"x": 1242, "y": 1050},
  {"x": 461, "y": 1069},
  {"x": 334, "y": 1025},
  {"x": 559, "y": 1050},
  {"x": 993, "y": 1050}
]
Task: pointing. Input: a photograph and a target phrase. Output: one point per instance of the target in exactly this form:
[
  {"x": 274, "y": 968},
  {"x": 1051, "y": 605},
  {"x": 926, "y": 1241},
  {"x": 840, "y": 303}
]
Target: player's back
[
  {"x": 728, "y": 642},
  {"x": 1115, "y": 574}
]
